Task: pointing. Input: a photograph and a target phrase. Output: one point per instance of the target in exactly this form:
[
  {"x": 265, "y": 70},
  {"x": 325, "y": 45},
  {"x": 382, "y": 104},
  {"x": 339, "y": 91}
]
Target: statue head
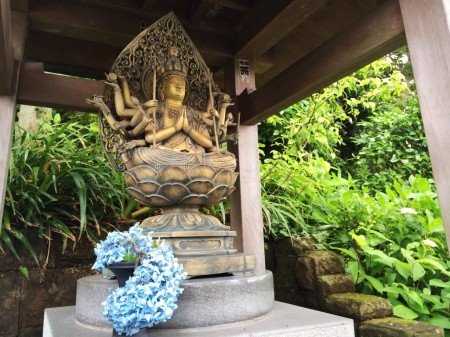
[{"x": 172, "y": 77}]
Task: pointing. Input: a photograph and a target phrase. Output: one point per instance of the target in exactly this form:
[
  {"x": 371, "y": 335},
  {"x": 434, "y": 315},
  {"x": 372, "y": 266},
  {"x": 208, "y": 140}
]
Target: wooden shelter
[{"x": 271, "y": 54}]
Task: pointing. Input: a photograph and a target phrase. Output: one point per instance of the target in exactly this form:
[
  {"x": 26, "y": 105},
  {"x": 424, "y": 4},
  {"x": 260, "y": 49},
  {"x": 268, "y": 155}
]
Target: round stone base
[{"x": 204, "y": 301}]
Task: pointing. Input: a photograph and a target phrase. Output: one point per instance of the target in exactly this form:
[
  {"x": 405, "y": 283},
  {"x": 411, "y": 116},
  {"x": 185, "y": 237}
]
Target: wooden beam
[
  {"x": 112, "y": 27},
  {"x": 427, "y": 29},
  {"x": 271, "y": 24},
  {"x": 63, "y": 51},
  {"x": 371, "y": 37},
  {"x": 6, "y": 49},
  {"x": 198, "y": 10},
  {"x": 56, "y": 91},
  {"x": 232, "y": 4}
]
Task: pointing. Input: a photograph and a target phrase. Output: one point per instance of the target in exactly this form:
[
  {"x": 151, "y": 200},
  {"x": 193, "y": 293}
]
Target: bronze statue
[{"x": 163, "y": 122}]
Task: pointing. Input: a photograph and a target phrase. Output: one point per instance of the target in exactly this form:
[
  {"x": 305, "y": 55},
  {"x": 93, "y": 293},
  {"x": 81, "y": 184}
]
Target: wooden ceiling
[{"x": 295, "y": 47}]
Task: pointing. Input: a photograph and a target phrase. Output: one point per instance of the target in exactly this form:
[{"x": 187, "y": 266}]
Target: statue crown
[{"x": 173, "y": 66}]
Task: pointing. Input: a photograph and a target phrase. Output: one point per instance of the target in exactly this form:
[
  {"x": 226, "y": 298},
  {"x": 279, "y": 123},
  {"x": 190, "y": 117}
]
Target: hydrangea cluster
[{"x": 149, "y": 296}]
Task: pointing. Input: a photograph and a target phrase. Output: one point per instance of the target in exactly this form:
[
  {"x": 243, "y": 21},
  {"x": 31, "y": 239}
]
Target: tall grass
[{"x": 60, "y": 184}]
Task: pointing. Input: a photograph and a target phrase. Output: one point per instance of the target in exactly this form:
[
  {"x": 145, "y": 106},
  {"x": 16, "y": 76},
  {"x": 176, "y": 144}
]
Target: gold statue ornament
[{"x": 163, "y": 121}]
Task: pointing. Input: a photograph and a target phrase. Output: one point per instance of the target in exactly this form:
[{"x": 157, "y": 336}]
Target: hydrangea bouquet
[{"x": 149, "y": 296}]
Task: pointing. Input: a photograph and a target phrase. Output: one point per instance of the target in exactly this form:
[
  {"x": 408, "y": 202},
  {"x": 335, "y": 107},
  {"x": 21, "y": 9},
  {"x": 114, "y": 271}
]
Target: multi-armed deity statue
[{"x": 163, "y": 122}]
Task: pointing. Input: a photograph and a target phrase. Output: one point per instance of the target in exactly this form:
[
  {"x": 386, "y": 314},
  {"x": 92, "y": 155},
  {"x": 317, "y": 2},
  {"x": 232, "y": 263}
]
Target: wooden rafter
[
  {"x": 55, "y": 91},
  {"x": 263, "y": 29},
  {"x": 111, "y": 27},
  {"x": 6, "y": 49},
  {"x": 371, "y": 37}
]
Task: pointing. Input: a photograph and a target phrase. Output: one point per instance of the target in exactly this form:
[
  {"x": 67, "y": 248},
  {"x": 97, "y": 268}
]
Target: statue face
[{"x": 174, "y": 88}]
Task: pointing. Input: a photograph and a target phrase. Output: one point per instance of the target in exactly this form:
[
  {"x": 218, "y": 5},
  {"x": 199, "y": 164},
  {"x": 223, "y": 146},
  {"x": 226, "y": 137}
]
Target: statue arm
[
  {"x": 130, "y": 102},
  {"x": 202, "y": 137},
  {"x": 119, "y": 101}
]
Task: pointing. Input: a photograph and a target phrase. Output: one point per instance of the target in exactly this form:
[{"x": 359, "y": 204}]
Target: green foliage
[
  {"x": 59, "y": 183},
  {"x": 397, "y": 248},
  {"x": 349, "y": 167}
]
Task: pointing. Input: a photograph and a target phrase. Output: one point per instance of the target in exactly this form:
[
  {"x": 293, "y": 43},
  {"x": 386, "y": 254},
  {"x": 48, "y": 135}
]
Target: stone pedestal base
[
  {"x": 284, "y": 321},
  {"x": 204, "y": 301}
]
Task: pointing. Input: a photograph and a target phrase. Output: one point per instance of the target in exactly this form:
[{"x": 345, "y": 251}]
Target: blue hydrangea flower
[{"x": 149, "y": 296}]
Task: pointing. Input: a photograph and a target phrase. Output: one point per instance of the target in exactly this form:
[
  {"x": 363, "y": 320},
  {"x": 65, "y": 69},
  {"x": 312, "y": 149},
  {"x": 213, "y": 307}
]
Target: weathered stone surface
[
  {"x": 269, "y": 254},
  {"x": 30, "y": 332},
  {"x": 82, "y": 255},
  {"x": 334, "y": 284},
  {"x": 7, "y": 261},
  {"x": 285, "y": 283},
  {"x": 358, "y": 306},
  {"x": 294, "y": 246},
  {"x": 9, "y": 299},
  {"x": 47, "y": 288},
  {"x": 313, "y": 264},
  {"x": 396, "y": 327}
]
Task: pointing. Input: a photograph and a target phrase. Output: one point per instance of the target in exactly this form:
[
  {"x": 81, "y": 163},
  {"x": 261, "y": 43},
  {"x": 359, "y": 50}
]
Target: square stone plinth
[{"x": 285, "y": 321}]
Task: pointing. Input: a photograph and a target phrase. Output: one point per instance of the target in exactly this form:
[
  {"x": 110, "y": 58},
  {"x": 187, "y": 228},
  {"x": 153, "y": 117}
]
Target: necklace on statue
[{"x": 172, "y": 113}]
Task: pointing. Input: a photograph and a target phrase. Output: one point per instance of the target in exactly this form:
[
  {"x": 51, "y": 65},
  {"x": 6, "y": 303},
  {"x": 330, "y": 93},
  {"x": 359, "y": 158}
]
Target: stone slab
[{"x": 284, "y": 321}]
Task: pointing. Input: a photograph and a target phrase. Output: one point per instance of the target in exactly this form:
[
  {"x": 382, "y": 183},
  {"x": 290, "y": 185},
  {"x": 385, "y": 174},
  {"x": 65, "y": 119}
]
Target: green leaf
[
  {"x": 417, "y": 271},
  {"x": 350, "y": 253},
  {"x": 24, "y": 271},
  {"x": 82, "y": 196},
  {"x": 439, "y": 283},
  {"x": 376, "y": 284},
  {"x": 22, "y": 238},
  {"x": 404, "y": 269},
  {"x": 404, "y": 312},
  {"x": 440, "y": 320}
]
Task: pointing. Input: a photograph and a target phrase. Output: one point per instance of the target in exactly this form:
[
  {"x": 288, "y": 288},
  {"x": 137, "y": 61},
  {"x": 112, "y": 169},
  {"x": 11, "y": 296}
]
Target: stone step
[{"x": 284, "y": 321}]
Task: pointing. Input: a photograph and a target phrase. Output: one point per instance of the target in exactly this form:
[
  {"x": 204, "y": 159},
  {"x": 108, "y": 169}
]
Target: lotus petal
[
  {"x": 173, "y": 192},
  {"x": 156, "y": 200},
  {"x": 230, "y": 190},
  {"x": 148, "y": 187},
  {"x": 136, "y": 194},
  {"x": 172, "y": 174},
  {"x": 224, "y": 177},
  {"x": 217, "y": 194},
  {"x": 235, "y": 176},
  {"x": 202, "y": 172},
  {"x": 200, "y": 186},
  {"x": 144, "y": 172},
  {"x": 129, "y": 178},
  {"x": 194, "y": 200}
]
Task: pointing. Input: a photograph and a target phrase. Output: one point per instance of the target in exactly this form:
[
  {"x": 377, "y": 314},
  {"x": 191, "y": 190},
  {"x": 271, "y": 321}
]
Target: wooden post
[
  {"x": 428, "y": 36},
  {"x": 13, "y": 32},
  {"x": 8, "y": 115},
  {"x": 246, "y": 211}
]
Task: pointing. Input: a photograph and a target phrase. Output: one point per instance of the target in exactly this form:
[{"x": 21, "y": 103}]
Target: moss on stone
[
  {"x": 358, "y": 306},
  {"x": 397, "y": 327}
]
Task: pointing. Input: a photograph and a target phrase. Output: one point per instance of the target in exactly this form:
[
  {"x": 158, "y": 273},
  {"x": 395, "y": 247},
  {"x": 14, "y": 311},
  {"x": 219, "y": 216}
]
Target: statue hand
[
  {"x": 111, "y": 77},
  {"x": 153, "y": 103},
  {"x": 214, "y": 113},
  {"x": 179, "y": 123},
  {"x": 115, "y": 86},
  {"x": 186, "y": 126},
  {"x": 129, "y": 145}
]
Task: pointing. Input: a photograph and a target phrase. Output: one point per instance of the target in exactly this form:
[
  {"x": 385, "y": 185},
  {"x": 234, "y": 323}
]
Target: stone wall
[
  {"x": 23, "y": 300},
  {"x": 316, "y": 279}
]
